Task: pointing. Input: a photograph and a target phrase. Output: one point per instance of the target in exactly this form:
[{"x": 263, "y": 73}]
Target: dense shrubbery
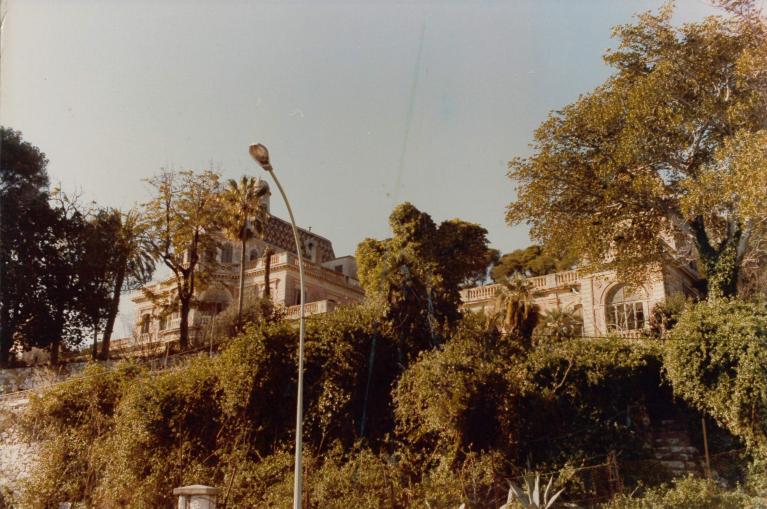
[
  {"x": 689, "y": 493},
  {"x": 716, "y": 358},
  {"x": 449, "y": 428}
]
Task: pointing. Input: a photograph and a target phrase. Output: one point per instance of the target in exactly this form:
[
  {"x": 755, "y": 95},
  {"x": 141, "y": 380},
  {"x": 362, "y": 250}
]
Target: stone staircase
[{"x": 673, "y": 449}]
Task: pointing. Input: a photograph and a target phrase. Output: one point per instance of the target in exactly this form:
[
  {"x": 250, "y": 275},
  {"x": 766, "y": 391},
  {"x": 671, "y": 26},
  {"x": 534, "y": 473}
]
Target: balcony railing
[
  {"x": 312, "y": 269},
  {"x": 310, "y": 308},
  {"x": 538, "y": 283},
  {"x": 479, "y": 293}
]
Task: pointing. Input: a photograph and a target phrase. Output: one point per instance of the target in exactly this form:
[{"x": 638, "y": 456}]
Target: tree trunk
[
  {"x": 722, "y": 272},
  {"x": 54, "y": 349},
  {"x": 267, "y": 272},
  {"x": 183, "y": 338},
  {"x": 720, "y": 263},
  {"x": 241, "y": 293},
  {"x": 6, "y": 342},
  {"x": 57, "y": 330},
  {"x": 114, "y": 307},
  {"x": 94, "y": 351}
]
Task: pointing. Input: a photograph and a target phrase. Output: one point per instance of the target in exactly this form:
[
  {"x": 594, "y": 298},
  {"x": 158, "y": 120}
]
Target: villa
[
  {"x": 601, "y": 303},
  {"x": 331, "y": 281}
]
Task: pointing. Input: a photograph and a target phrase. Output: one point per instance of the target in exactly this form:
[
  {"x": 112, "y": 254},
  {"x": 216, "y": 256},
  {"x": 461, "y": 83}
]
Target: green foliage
[
  {"x": 72, "y": 421},
  {"x": 127, "y": 439},
  {"x": 227, "y": 324},
  {"x": 450, "y": 428},
  {"x": 665, "y": 315},
  {"x": 515, "y": 312},
  {"x": 581, "y": 396},
  {"x": 418, "y": 272},
  {"x": 689, "y": 493},
  {"x": 662, "y": 149},
  {"x": 180, "y": 217},
  {"x": 531, "y": 261},
  {"x": 130, "y": 262},
  {"x": 557, "y": 403},
  {"x": 245, "y": 217},
  {"x": 716, "y": 359},
  {"x": 24, "y": 213},
  {"x": 560, "y": 324},
  {"x": 460, "y": 396}
]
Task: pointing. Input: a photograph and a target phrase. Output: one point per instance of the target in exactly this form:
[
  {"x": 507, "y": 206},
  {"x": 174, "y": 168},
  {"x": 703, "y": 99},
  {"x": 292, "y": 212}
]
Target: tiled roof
[{"x": 280, "y": 234}]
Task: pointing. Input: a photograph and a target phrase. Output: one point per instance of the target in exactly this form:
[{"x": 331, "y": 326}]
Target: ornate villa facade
[
  {"x": 599, "y": 300},
  {"x": 330, "y": 282}
]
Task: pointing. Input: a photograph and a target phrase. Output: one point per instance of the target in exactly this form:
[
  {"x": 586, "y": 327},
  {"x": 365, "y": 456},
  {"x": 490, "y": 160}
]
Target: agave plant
[{"x": 531, "y": 498}]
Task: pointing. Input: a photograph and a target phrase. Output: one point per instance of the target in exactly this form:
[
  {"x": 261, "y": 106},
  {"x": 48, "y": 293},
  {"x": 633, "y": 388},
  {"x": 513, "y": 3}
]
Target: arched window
[
  {"x": 253, "y": 254},
  {"x": 226, "y": 253},
  {"x": 625, "y": 309}
]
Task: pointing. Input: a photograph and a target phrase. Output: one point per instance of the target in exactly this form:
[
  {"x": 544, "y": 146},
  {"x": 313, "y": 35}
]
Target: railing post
[{"x": 196, "y": 496}]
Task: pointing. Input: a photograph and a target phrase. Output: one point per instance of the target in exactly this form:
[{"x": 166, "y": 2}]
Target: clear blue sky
[{"x": 362, "y": 104}]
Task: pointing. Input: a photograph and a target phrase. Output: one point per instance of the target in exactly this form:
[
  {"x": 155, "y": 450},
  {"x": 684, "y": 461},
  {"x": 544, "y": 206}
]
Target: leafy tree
[
  {"x": 530, "y": 261},
  {"x": 131, "y": 263},
  {"x": 245, "y": 218},
  {"x": 65, "y": 290},
  {"x": 95, "y": 273},
  {"x": 181, "y": 221},
  {"x": 24, "y": 212},
  {"x": 671, "y": 149},
  {"x": 418, "y": 272}
]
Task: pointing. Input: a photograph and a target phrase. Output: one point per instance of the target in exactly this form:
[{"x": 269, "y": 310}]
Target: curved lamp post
[{"x": 261, "y": 155}]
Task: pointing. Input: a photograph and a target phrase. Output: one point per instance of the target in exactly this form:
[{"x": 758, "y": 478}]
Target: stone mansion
[
  {"x": 330, "y": 281},
  {"x": 599, "y": 300},
  {"x": 602, "y": 304}
]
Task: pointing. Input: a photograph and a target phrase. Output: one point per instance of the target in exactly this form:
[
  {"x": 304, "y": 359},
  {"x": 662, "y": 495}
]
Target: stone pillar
[{"x": 196, "y": 496}]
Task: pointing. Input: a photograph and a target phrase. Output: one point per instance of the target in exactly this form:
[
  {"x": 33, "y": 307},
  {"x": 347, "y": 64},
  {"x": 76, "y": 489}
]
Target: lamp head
[{"x": 261, "y": 155}]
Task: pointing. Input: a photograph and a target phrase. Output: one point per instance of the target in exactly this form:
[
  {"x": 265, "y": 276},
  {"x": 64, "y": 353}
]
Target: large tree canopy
[
  {"x": 181, "y": 219},
  {"x": 24, "y": 214},
  {"x": 671, "y": 151},
  {"x": 529, "y": 262},
  {"x": 420, "y": 269}
]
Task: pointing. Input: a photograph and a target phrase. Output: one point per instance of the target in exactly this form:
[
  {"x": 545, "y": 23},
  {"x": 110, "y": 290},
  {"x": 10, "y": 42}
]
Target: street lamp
[{"x": 261, "y": 155}]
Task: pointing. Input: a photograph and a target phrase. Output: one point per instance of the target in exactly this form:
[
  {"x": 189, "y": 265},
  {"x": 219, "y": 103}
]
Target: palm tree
[
  {"x": 246, "y": 219},
  {"x": 267, "y": 270},
  {"x": 515, "y": 313},
  {"x": 561, "y": 324},
  {"x": 133, "y": 265}
]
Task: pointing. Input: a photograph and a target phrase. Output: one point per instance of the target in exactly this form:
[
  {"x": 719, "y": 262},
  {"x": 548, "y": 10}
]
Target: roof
[{"x": 280, "y": 234}]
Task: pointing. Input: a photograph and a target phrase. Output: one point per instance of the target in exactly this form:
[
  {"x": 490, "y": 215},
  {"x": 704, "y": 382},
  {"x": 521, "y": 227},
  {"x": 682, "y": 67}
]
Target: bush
[
  {"x": 254, "y": 311},
  {"x": 460, "y": 396},
  {"x": 71, "y": 420},
  {"x": 688, "y": 493},
  {"x": 126, "y": 438},
  {"x": 665, "y": 315},
  {"x": 561, "y": 403},
  {"x": 716, "y": 359}
]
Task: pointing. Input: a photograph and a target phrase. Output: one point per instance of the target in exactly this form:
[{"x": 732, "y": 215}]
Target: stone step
[
  {"x": 677, "y": 449},
  {"x": 671, "y": 455},
  {"x": 670, "y": 434},
  {"x": 680, "y": 441}
]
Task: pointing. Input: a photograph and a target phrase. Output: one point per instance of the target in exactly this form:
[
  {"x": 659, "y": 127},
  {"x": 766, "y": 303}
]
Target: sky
[{"x": 363, "y": 105}]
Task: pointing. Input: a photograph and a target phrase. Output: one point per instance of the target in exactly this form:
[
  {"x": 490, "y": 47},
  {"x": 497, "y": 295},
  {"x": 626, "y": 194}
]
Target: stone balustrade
[
  {"x": 538, "y": 283},
  {"x": 310, "y": 308}
]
